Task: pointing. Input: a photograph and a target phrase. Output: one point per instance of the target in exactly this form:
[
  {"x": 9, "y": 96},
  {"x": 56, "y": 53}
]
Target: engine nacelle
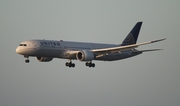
[
  {"x": 85, "y": 55},
  {"x": 44, "y": 59}
]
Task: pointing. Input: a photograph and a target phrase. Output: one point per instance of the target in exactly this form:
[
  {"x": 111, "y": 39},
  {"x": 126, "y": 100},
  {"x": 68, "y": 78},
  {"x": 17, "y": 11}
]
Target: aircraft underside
[{"x": 110, "y": 57}]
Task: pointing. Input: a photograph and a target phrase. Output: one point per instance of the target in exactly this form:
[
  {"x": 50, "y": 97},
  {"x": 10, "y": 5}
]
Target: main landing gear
[
  {"x": 90, "y": 64},
  {"x": 70, "y": 64},
  {"x": 27, "y": 59}
]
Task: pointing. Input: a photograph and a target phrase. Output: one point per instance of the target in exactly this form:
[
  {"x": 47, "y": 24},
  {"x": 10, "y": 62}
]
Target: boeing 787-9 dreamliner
[{"x": 46, "y": 50}]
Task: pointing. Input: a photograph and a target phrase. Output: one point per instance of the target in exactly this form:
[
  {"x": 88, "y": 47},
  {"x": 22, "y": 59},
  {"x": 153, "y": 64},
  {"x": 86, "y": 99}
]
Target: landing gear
[
  {"x": 70, "y": 64},
  {"x": 27, "y": 59},
  {"x": 90, "y": 64}
]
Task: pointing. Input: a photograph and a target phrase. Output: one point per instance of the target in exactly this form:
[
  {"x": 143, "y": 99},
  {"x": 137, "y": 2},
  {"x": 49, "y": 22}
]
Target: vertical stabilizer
[{"x": 133, "y": 35}]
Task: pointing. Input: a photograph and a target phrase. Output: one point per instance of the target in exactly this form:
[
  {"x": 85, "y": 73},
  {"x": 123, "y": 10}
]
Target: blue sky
[{"x": 148, "y": 79}]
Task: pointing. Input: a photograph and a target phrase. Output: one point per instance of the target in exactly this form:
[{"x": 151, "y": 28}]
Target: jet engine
[
  {"x": 85, "y": 55},
  {"x": 44, "y": 59}
]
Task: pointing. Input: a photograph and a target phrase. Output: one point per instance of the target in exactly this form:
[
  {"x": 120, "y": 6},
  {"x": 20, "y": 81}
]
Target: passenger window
[{"x": 25, "y": 45}]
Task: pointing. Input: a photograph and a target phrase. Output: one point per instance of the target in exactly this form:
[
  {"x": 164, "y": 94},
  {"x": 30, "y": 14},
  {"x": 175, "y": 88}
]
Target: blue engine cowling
[{"x": 85, "y": 55}]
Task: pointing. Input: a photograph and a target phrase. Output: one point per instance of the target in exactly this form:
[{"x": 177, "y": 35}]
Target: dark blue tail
[{"x": 133, "y": 35}]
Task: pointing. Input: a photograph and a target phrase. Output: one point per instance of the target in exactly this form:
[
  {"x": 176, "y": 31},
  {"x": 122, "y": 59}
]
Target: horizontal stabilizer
[{"x": 150, "y": 50}]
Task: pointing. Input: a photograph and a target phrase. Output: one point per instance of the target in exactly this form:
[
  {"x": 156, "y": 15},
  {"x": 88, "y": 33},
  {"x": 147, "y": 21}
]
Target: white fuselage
[
  {"x": 63, "y": 49},
  {"x": 46, "y": 50},
  {"x": 60, "y": 49}
]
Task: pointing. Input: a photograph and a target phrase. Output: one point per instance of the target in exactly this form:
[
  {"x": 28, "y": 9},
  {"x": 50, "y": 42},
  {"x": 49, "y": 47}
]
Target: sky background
[{"x": 150, "y": 79}]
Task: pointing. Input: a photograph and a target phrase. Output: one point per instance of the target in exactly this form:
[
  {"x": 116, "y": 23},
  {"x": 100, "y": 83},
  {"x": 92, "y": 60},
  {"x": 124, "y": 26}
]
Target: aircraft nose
[{"x": 18, "y": 50}]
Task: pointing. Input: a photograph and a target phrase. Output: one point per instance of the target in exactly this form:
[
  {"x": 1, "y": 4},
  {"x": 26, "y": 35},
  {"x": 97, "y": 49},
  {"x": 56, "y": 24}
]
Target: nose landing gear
[{"x": 27, "y": 59}]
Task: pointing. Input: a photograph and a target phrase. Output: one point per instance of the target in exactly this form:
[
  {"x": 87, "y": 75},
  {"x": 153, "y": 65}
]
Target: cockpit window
[{"x": 22, "y": 45}]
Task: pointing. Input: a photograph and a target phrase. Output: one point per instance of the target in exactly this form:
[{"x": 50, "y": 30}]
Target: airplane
[{"x": 46, "y": 50}]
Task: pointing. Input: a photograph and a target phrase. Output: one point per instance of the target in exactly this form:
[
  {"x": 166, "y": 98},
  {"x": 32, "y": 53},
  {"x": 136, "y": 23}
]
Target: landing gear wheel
[
  {"x": 27, "y": 61},
  {"x": 67, "y": 64},
  {"x": 87, "y": 64},
  {"x": 27, "y": 58},
  {"x": 90, "y": 64},
  {"x": 93, "y": 65},
  {"x": 70, "y": 64}
]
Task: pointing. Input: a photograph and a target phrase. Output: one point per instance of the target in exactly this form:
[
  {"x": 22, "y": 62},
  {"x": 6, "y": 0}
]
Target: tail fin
[{"x": 133, "y": 35}]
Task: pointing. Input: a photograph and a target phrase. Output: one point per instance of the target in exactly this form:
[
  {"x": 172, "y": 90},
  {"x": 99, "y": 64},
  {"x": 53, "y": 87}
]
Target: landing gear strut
[
  {"x": 70, "y": 64},
  {"x": 27, "y": 59},
  {"x": 90, "y": 64}
]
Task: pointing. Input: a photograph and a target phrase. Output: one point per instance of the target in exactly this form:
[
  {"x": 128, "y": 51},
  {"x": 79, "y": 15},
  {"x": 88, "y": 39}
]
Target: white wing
[
  {"x": 106, "y": 51},
  {"x": 122, "y": 48}
]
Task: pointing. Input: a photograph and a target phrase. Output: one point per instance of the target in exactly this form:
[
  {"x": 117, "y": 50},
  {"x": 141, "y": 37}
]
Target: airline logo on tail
[
  {"x": 129, "y": 40},
  {"x": 133, "y": 35}
]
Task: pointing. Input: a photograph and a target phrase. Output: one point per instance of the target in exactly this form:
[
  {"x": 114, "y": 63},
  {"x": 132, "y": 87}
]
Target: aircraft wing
[
  {"x": 123, "y": 48},
  {"x": 106, "y": 51}
]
